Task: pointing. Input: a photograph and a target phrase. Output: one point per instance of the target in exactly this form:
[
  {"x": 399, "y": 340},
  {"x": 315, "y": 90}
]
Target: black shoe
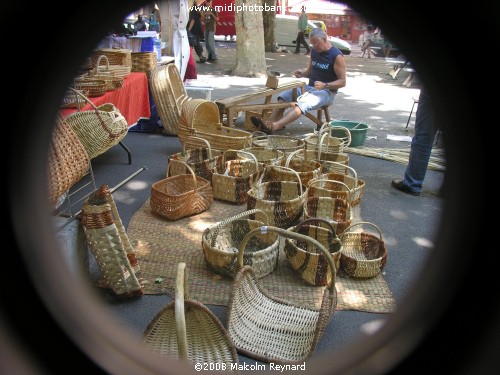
[
  {"x": 307, "y": 53},
  {"x": 398, "y": 184},
  {"x": 202, "y": 60},
  {"x": 259, "y": 124},
  {"x": 296, "y": 52},
  {"x": 212, "y": 60}
]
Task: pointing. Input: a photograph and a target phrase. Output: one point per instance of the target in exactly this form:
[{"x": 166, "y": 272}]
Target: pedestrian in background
[
  {"x": 301, "y": 38},
  {"x": 367, "y": 41},
  {"x": 210, "y": 18},
  {"x": 426, "y": 128},
  {"x": 194, "y": 27}
]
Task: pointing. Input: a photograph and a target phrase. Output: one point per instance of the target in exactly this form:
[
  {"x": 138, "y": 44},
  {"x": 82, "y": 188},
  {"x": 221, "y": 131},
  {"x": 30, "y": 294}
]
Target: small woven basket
[
  {"x": 180, "y": 196},
  {"x": 100, "y": 128},
  {"x": 112, "y": 82},
  {"x": 68, "y": 160},
  {"x": 144, "y": 61},
  {"x": 110, "y": 245},
  {"x": 273, "y": 329},
  {"x": 306, "y": 169},
  {"x": 305, "y": 259},
  {"x": 232, "y": 179},
  {"x": 331, "y": 171},
  {"x": 202, "y": 160},
  {"x": 73, "y": 100},
  {"x": 282, "y": 201},
  {"x": 93, "y": 87},
  {"x": 336, "y": 211},
  {"x": 189, "y": 331},
  {"x": 363, "y": 255},
  {"x": 282, "y": 143},
  {"x": 116, "y": 56},
  {"x": 341, "y": 158},
  {"x": 326, "y": 142},
  {"x": 221, "y": 241},
  {"x": 266, "y": 156},
  {"x": 120, "y": 71}
]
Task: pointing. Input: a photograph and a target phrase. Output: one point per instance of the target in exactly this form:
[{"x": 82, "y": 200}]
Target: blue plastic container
[
  {"x": 357, "y": 129},
  {"x": 147, "y": 45}
]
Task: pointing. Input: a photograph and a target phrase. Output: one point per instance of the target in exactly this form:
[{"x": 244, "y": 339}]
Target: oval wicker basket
[
  {"x": 266, "y": 156},
  {"x": 363, "y": 254},
  {"x": 121, "y": 71},
  {"x": 189, "y": 331},
  {"x": 180, "y": 196},
  {"x": 282, "y": 201},
  {"x": 331, "y": 171},
  {"x": 231, "y": 179},
  {"x": 336, "y": 211},
  {"x": 283, "y": 143},
  {"x": 325, "y": 142},
  {"x": 202, "y": 160},
  {"x": 306, "y": 169},
  {"x": 305, "y": 259},
  {"x": 93, "y": 87},
  {"x": 221, "y": 241}
]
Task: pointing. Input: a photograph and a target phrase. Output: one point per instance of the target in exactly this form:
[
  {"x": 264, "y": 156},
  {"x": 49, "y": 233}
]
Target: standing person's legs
[
  {"x": 305, "y": 44},
  {"x": 210, "y": 45},
  {"x": 199, "y": 49},
  {"x": 298, "y": 42},
  {"x": 421, "y": 145}
]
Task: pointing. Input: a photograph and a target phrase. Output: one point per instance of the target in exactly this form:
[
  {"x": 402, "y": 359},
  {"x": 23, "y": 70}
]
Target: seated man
[{"x": 327, "y": 74}]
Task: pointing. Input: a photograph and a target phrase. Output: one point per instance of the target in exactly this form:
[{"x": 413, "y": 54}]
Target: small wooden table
[{"x": 241, "y": 103}]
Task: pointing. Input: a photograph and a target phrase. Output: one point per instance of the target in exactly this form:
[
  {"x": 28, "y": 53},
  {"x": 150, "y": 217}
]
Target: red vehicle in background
[{"x": 225, "y": 25}]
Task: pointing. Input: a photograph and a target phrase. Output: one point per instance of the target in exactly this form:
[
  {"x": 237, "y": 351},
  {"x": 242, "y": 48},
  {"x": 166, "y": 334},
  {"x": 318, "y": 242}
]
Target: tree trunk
[
  {"x": 250, "y": 54},
  {"x": 269, "y": 15}
]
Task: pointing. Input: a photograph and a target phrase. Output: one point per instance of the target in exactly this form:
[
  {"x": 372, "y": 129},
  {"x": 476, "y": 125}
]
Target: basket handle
[
  {"x": 200, "y": 139},
  {"x": 252, "y": 156},
  {"x": 361, "y": 223},
  {"x": 292, "y": 235},
  {"x": 347, "y": 131},
  {"x": 223, "y": 223},
  {"x": 181, "y": 294},
  {"x": 99, "y": 63},
  {"x": 186, "y": 165},
  {"x": 346, "y": 167},
  {"x": 349, "y": 191},
  {"x": 291, "y": 170},
  {"x": 315, "y": 220},
  {"x": 84, "y": 97},
  {"x": 293, "y": 154}
]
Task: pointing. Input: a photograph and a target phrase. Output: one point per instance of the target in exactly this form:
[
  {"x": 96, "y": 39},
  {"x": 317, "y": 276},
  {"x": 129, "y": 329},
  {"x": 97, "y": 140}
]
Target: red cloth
[
  {"x": 132, "y": 99},
  {"x": 191, "y": 67}
]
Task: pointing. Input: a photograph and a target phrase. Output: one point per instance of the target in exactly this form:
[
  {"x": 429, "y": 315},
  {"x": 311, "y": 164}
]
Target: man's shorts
[{"x": 312, "y": 99}]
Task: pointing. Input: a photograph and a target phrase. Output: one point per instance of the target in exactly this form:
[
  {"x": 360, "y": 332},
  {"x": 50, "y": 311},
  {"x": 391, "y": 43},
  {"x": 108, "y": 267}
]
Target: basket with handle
[
  {"x": 336, "y": 210},
  {"x": 120, "y": 71},
  {"x": 187, "y": 330},
  {"x": 179, "y": 196},
  {"x": 231, "y": 179},
  {"x": 68, "y": 160},
  {"x": 72, "y": 100},
  {"x": 306, "y": 169},
  {"x": 272, "y": 329},
  {"x": 116, "y": 56},
  {"x": 99, "y": 128},
  {"x": 220, "y": 243},
  {"x": 109, "y": 243},
  {"x": 112, "y": 82},
  {"x": 92, "y": 86},
  {"x": 283, "y": 143},
  {"x": 305, "y": 259},
  {"x": 201, "y": 159},
  {"x": 328, "y": 142},
  {"x": 282, "y": 201},
  {"x": 332, "y": 171},
  {"x": 364, "y": 254},
  {"x": 322, "y": 156},
  {"x": 266, "y": 156}
]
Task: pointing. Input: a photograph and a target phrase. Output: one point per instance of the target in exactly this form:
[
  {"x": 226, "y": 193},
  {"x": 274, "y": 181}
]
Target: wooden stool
[{"x": 318, "y": 120}]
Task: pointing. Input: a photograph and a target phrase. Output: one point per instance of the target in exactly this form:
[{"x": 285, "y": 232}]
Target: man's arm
[
  {"x": 340, "y": 72},
  {"x": 303, "y": 72}
]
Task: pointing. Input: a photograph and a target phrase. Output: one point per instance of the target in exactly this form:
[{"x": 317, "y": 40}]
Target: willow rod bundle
[{"x": 436, "y": 162}]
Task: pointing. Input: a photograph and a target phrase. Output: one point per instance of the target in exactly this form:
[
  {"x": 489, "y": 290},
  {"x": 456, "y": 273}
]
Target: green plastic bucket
[{"x": 357, "y": 129}]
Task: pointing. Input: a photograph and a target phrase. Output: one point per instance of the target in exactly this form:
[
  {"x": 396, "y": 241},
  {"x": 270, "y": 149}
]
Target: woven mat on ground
[{"x": 161, "y": 244}]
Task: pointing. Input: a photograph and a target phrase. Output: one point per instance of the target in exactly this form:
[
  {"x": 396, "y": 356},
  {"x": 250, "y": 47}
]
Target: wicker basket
[
  {"x": 100, "y": 128},
  {"x": 326, "y": 142},
  {"x": 282, "y": 201},
  {"x": 350, "y": 178},
  {"x": 232, "y": 179},
  {"x": 112, "y": 82},
  {"x": 266, "y": 156},
  {"x": 202, "y": 160},
  {"x": 336, "y": 210},
  {"x": 164, "y": 99},
  {"x": 364, "y": 255},
  {"x": 282, "y": 143},
  {"x": 189, "y": 331},
  {"x": 116, "y": 56},
  {"x": 306, "y": 169},
  {"x": 318, "y": 155},
  {"x": 73, "y": 100},
  {"x": 121, "y": 71},
  {"x": 93, "y": 87},
  {"x": 220, "y": 244},
  {"x": 68, "y": 160},
  {"x": 305, "y": 259},
  {"x": 272, "y": 329},
  {"x": 110, "y": 245},
  {"x": 180, "y": 196},
  {"x": 144, "y": 61}
]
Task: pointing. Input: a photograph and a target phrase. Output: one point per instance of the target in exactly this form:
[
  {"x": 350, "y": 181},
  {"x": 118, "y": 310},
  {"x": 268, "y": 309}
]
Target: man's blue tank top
[{"x": 322, "y": 65}]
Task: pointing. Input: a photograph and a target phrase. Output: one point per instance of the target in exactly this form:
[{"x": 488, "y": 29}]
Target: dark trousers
[
  {"x": 301, "y": 40},
  {"x": 198, "y": 48}
]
